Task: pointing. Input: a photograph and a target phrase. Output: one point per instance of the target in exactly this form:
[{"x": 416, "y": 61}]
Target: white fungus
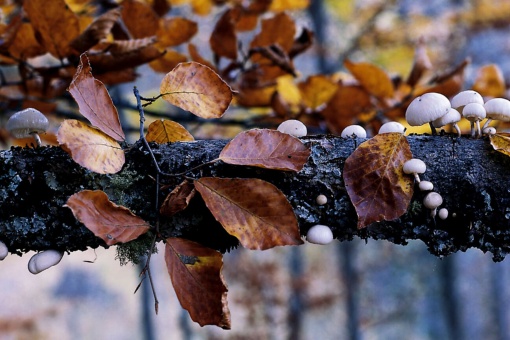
[
  {"x": 293, "y": 127},
  {"x": 354, "y": 131},
  {"x": 443, "y": 213},
  {"x": 432, "y": 201},
  {"x": 27, "y": 123},
  {"x": 474, "y": 112},
  {"x": 463, "y": 98},
  {"x": 392, "y": 127},
  {"x": 321, "y": 199},
  {"x": 451, "y": 117},
  {"x": 319, "y": 234},
  {"x": 426, "y": 186},
  {"x": 497, "y": 108},
  {"x": 427, "y": 108},
  {"x": 3, "y": 251},
  {"x": 414, "y": 166},
  {"x": 44, "y": 260}
]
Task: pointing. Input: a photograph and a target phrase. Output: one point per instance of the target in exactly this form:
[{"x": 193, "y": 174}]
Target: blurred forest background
[{"x": 353, "y": 290}]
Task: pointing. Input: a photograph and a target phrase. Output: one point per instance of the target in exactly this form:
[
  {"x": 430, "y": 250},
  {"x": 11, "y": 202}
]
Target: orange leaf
[
  {"x": 501, "y": 142},
  {"x": 265, "y": 148},
  {"x": 372, "y": 78},
  {"x": 96, "y": 31},
  {"x": 490, "y": 82},
  {"x": 175, "y": 31},
  {"x": 375, "y": 181},
  {"x": 284, "y": 5},
  {"x": 139, "y": 18},
  {"x": 56, "y": 24},
  {"x": 166, "y": 131},
  {"x": 196, "y": 276},
  {"x": 94, "y": 101},
  {"x": 111, "y": 222},
  {"x": 198, "y": 89},
  {"x": 254, "y": 211},
  {"x": 107, "y": 62},
  {"x": 278, "y": 30},
  {"x": 195, "y": 56},
  {"x": 25, "y": 44},
  {"x": 168, "y": 61},
  {"x": 178, "y": 199},
  {"x": 317, "y": 90},
  {"x": 223, "y": 39},
  {"x": 90, "y": 147}
]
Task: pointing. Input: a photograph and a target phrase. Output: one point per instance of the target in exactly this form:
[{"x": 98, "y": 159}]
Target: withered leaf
[
  {"x": 223, "y": 39},
  {"x": 254, "y": 211},
  {"x": 278, "y": 30},
  {"x": 490, "y": 81},
  {"x": 96, "y": 31},
  {"x": 372, "y": 78},
  {"x": 196, "y": 276},
  {"x": 110, "y": 222},
  {"x": 139, "y": 18},
  {"x": 421, "y": 64},
  {"x": 285, "y": 5},
  {"x": 25, "y": 45},
  {"x": 265, "y": 148},
  {"x": 317, "y": 90},
  {"x": 94, "y": 101},
  {"x": 168, "y": 61},
  {"x": 501, "y": 142},
  {"x": 175, "y": 31},
  {"x": 196, "y": 88},
  {"x": 165, "y": 131},
  {"x": 90, "y": 147},
  {"x": 195, "y": 56},
  {"x": 178, "y": 199},
  {"x": 375, "y": 181}
]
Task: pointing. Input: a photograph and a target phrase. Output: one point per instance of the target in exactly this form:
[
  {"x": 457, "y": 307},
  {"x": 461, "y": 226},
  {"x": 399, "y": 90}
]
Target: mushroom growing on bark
[
  {"x": 354, "y": 131},
  {"x": 466, "y": 97},
  {"x": 44, "y": 260},
  {"x": 497, "y": 108},
  {"x": 414, "y": 166},
  {"x": 474, "y": 112},
  {"x": 293, "y": 127},
  {"x": 392, "y": 127},
  {"x": 319, "y": 234},
  {"x": 3, "y": 251},
  {"x": 427, "y": 108},
  {"x": 28, "y": 123},
  {"x": 451, "y": 117},
  {"x": 432, "y": 201}
]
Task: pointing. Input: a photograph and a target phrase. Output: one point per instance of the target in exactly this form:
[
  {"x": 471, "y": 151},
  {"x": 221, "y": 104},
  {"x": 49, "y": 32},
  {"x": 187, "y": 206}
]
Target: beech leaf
[
  {"x": 254, "y": 211},
  {"x": 90, "y": 147},
  {"x": 165, "y": 131},
  {"x": 501, "y": 142},
  {"x": 270, "y": 149},
  {"x": 196, "y": 276},
  {"x": 377, "y": 186},
  {"x": 111, "y": 222},
  {"x": 490, "y": 81},
  {"x": 94, "y": 101},
  {"x": 317, "y": 90},
  {"x": 178, "y": 199},
  {"x": 196, "y": 88},
  {"x": 96, "y": 31},
  {"x": 372, "y": 78}
]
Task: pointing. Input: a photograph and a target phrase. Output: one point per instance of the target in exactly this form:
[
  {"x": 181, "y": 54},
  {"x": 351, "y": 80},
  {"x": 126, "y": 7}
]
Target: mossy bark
[{"x": 473, "y": 179}]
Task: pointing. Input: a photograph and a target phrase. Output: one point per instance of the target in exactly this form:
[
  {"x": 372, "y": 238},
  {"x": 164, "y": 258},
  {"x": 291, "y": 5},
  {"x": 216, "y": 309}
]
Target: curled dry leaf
[
  {"x": 178, "y": 199},
  {"x": 254, "y": 211},
  {"x": 165, "y": 131},
  {"x": 94, "y": 101},
  {"x": 196, "y": 276},
  {"x": 96, "y": 31},
  {"x": 139, "y": 18},
  {"x": 223, "y": 39},
  {"x": 197, "y": 89},
  {"x": 372, "y": 78},
  {"x": 90, "y": 147},
  {"x": 501, "y": 142},
  {"x": 107, "y": 62},
  {"x": 490, "y": 81},
  {"x": 111, "y": 222},
  {"x": 265, "y": 148},
  {"x": 375, "y": 181}
]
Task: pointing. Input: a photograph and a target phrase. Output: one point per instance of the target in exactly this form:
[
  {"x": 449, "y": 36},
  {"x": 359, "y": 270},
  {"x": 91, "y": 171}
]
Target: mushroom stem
[
  {"x": 456, "y": 127},
  {"x": 433, "y": 212},
  {"x": 417, "y": 177},
  {"x": 487, "y": 123},
  {"x": 36, "y": 138},
  {"x": 473, "y": 129},
  {"x": 479, "y": 132},
  {"x": 433, "y": 129}
]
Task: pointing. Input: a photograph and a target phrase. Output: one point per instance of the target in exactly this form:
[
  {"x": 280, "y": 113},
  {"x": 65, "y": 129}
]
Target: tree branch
[{"x": 471, "y": 177}]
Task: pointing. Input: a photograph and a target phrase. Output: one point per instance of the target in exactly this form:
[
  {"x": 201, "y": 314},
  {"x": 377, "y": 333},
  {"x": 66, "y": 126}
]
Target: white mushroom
[
  {"x": 490, "y": 130},
  {"x": 3, "y": 251},
  {"x": 44, "y": 260},
  {"x": 426, "y": 186},
  {"x": 474, "y": 112},
  {"x": 443, "y": 213},
  {"x": 414, "y": 166},
  {"x": 432, "y": 201},
  {"x": 28, "y": 123},
  {"x": 427, "y": 108},
  {"x": 392, "y": 127},
  {"x": 293, "y": 127},
  {"x": 319, "y": 234},
  {"x": 354, "y": 131},
  {"x": 497, "y": 108},
  {"x": 321, "y": 199},
  {"x": 451, "y": 117},
  {"x": 463, "y": 98}
]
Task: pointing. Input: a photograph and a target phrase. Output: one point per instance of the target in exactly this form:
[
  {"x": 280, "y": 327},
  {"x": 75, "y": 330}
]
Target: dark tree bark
[{"x": 469, "y": 174}]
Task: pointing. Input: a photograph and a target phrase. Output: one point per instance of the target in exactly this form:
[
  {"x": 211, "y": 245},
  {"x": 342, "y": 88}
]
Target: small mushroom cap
[
  {"x": 44, "y": 260},
  {"x": 489, "y": 130},
  {"x": 356, "y": 130},
  {"x": 321, "y": 199},
  {"x": 392, "y": 127},
  {"x": 432, "y": 200},
  {"x": 426, "y": 108},
  {"x": 498, "y": 108},
  {"x": 452, "y": 116},
  {"x": 414, "y": 166},
  {"x": 3, "y": 251},
  {"x": 474, "y": 112},
  {"x": 443, "y": 213},
  {"x": 426, "y": 186},
  {"x": 293, "y": 127},
  {"x": 23, "y": 123},
  {"x": 465, "y": 97},
  {"x": 319, "y": 234}
]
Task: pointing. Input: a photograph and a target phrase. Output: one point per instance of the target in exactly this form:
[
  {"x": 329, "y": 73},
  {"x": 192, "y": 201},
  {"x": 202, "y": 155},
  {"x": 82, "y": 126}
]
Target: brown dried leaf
[
  {"x": 178, "y": 199},
  {"x": 96, "y": 31},
  {"x": 56, "y": 24},
  {"x": 375, "y": 181},
  {"x": 196, "y": 276},
  {"x": 198, "y": 89},
  {"x": 108, "y": 62},
  {"x": 265, "y": 148},
  {"x": 254, "y": 211},
  {"x": 122, "y": 47},
  {"x": 223, "y": 39},
  {"x": 279, "y": 30},
  {"x": 175, "y": 31},
  {"x": 317, "y": 90},
  {"x": 372, "y": 78},
  {"x": 25, "y": 45},
  {"x": 94, "y": 101},
  {"x": 195, "y": 56},
  {"x": 490, "y": 81},
  {"x": 90, "y": 147},
  {"x": 166, "y": 131},
  {"x": 139, "y": 18},
  {"x": 421, "y": 64},
  {"x": 168, "y": 61},
  {"x": 501, "y": 142},
  {"x": 110, "y": 222}
]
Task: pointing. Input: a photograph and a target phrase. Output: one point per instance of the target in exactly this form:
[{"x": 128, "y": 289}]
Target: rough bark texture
[{"x": 472, "y": 178}]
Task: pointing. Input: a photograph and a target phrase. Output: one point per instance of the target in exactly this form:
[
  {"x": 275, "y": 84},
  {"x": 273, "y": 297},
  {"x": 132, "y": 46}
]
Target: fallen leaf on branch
[
  {"x": 178, "y": 199},
  {"x": 163, "y": 131},
  {"x": 501, "y": 142}
]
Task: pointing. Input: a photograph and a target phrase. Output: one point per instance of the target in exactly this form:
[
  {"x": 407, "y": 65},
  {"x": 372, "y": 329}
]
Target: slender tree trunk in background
[
  {"x": 346, "y": 255},
  {"x": 450, "y": 298},
  {"x": 497, "y": 311},
  {"x": 147, "y": 302},
  {"x": 317, "y": 14},
  {"x": 297, "y": 307}
]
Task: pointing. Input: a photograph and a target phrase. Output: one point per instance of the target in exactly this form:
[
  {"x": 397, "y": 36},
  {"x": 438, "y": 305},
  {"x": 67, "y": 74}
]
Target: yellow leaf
[
  {"x": 90, "y": 147},
  {"x": 165, "y": 131},
  {"x": 501, "y": 142},
  {"x": 372, "y": 78},
  {"x": 317, "y": 90},
  {"x": 284, "y": 5}
]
